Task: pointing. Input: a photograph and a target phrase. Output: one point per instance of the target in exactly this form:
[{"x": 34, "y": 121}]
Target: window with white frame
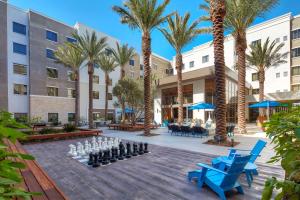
[
  {"x": 20, "y": 69},
  {"x": 192, "y": 63},
  {"x": 277, "y": 75},
  {"x": 205, "y": 59},
  {"x": 71, "y": 93},
  {"x": 20, "y": 89}
]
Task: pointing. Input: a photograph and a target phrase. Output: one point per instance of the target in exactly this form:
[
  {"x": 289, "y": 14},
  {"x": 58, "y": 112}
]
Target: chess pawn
[
  {"x": 71, "y": 149},
  {"x": 86, "y": 146},
  {"x": 141, "y": 149},
  {"x": 113, "y": 156},
  {"x": 121, "y": 153},
  {"x": 146, "y": 148},
  {"x": 100, "y": 156},
  {"x": 105, "y": 158},
  {"x": 95, "y": 161},
  {"x": 90, "y": 162},
  {"x": 99, "y": 139},
  {"x": 128, "y": 150},
  {"x": 135, "y": 149}
]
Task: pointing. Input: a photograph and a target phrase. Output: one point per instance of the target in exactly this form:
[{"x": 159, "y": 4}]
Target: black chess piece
[
  {"x": 135, "y": 149},
  {"x": 100, "y": 156},
  {"x": 113, "y": 155},
  {"x": 90, "y": 162},
  {"x": 146, "y": 148},
  {"x": 128, "y": 150},
  {"x": 121, "y": 151},
  {"x": 105, "y": 158},
  {"x": 141, "y": 149},
  {"x": 95, "y": 162}
]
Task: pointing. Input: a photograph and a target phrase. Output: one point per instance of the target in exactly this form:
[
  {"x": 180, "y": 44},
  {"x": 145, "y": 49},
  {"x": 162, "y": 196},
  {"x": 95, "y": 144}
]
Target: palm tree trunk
[
  {"x": 90, "y": 115},
  {"x": 77, "y": 98},
  {"x": 241, "y": 45},
  {"x": 146, "y": 48},
  {"x": 218, "y": 13},
  {"x": 106, "y": 95},
  {"x": 122, "y": 76},
  {"x": 179, "y": 87},
  {"x": 261, "y": 77}
]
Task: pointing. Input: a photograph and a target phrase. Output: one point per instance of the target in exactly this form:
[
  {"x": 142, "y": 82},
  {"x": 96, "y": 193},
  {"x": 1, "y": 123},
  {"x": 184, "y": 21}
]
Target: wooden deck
[{"x": 159, "y": 175}]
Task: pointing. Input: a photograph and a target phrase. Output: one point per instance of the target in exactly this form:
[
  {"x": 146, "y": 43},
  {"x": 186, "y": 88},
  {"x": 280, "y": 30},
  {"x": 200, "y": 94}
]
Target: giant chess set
[{"x": 103, "y": 151}]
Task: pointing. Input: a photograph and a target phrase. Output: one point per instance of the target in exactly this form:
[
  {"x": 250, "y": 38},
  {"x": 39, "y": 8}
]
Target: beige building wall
[
  {"x": 40, "y": 106},
  {"x": 133, "y": 71},
  {"x": 159, "y": 66},
  {"x": 295, "y": 24}
]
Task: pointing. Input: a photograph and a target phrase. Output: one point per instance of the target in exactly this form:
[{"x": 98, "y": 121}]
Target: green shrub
[
  {"x": 69, "y": 127},
  {"x": 49, "y": 131}
]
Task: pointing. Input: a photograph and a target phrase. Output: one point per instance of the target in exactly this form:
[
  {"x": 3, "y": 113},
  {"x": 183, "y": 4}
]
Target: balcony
[{"x": 296, "y": 79}]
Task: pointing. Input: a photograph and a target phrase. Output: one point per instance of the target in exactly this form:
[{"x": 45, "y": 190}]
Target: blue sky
[{"x": 99, "y": 15}]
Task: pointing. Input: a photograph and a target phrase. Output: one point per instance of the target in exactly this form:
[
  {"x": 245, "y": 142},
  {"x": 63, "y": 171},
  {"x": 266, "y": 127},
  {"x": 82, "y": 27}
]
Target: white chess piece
[{"x": 71, "y": 151}]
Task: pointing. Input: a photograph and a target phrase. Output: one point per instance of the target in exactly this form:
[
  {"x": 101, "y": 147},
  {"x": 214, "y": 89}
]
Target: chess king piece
[
  {"x": 122, "y": 151},
  {"x": 128, "y": 150},
  {"x": 113, "y": 155},
  {"x": 141, "y": 149},
  {"x": 95, "y": 161},
  {"x": 146, "y": 148},
  {"x": 105, "y": 157},
  {"x": 90, "y": 162},
  {"x": 135, "y": 149}
]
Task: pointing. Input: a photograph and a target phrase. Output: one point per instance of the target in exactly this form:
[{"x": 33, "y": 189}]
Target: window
[
  {"x": 52, "y": 73},
  {"x": 296, "y": 34},
  {"x": 109, "y": 97},
  {"x": 50, "y": 35},
  {"x": 108, "y": 51},
  {"x": 254, "y": 76},
  {"x": 169, "y": 71},
  {"x": 19, "y": 28},
  {"x": 20, "y": 69},
  {"x": 255, "y": 42},
  {"x": 285, "y": 38},
  {"x": 205, "y": 59},
  {"x": 71, "y": 117},
  {"x": 192, "y": 64},
  {"x": 285, "y": 74},
  {"x": 295, "y": 70},
  {"x": 131, "y": 62},
  {"x": 255, "y": 91},
  {"x": 95, "y": 94},
  {"x": 155, "y": 66},
  {"x": 71, "y": 76},
  {"x": 96, "y": 79},
  {"x": 142, "y": 67},
  {"x": 295, "y": 88},
  {"x": 50, "y": 54},
  {"x": 52, "y": 91},
  {"x": 19, "y": 48},
  {"x": 21, "y": 117},
  {"x": 296, "y": 52},
  {"x": 277, "y": 75},
  {"x": 71, "y": 93},
  {"x": 53, "y": 117},
  {"x": 96, "y": 116},
  {"x": 277, "y": 40},
  {"x": 72, "y": 40},
  {"x": 20, "y": 89}
]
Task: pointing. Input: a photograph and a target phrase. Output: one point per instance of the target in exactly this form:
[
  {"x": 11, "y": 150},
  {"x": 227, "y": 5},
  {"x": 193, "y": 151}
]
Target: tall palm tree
[
  {"x": 261, "y": 58},
  {"x": 72, "y": 57},
  {"x": 91, "y": 47},
  {"x": 108, "y": 64},
  {"x": 122, "y": 55},
  {"x": 179, "y": 34},
  {"x": 145, "y": 15},
  {"x": 240, "y": 15},
  {"x": 217, "y": 10}
]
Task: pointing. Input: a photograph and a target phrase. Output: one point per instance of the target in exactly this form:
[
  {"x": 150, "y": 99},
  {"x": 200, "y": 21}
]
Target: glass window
[
  {"x": 20, "y": 69},
  {"x": 72, "y": 40},
  {"x": 155, "y": 66},
  {"x": 108, "y": 51},
  {"x": 21, "y": 117},
  {"x": 96, "y": 116},
  {"x": 285, "y": 38},
  {"x": 50, "y": 35},
  {"x": 52, "y": 73},
  {"x": 296, "y": 70},
  {"x": 296, "y": 52},
  {"x": 255, "y": 91},
  {"x": 71, "y": 117},
  {"x": 205, "y": 59},
  {"x": 192, "y": 63},
  {"x": 96, "y": 79},
  {"x": 52, "y": 91},
  {"x": 71, "y": 76},
  {"x": 296, "y": 34},
  {"x": 295, "y": 88},
  {"x": 71, "y": 93},
  {"x": 95, "y": 94},
  {"x": 19, "y": 48},
  {"x": 277, "y": 75},
  {"x": 277, "y": 40},
  {"x": 19, "y": 28},
  {"x": 255, "y": 42},
  {"x": 285, "y": 74},
  {"x": 110, "y": 97},
  {"x": 20, "y": 89},
  {"x": 50, "y": 54},
  {"x": 254, "y": 76},
  {"x": 131, "y": 62},
  {"x": 141, "y": 67},
  {"x": 53, "y": 117}
]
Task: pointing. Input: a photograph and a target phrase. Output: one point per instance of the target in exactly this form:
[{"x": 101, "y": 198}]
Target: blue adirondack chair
[
  {"x": 220, "y": 181},
  {"x": 250, "y": 169}
]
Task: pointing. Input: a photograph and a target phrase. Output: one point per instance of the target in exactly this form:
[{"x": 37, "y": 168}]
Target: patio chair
[
  {"x": 185, "y": 130},
  {"x": 220, "y": 181},
  {"x": 200, "y": 131},
  {"x": 175, "y": 129},
  {"x": 230, "y": 130},
  {"x": 250, "y": 168}
]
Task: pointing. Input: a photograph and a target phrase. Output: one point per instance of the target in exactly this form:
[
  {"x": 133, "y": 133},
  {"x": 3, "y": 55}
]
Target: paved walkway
[{"x": 194, "y": 144}]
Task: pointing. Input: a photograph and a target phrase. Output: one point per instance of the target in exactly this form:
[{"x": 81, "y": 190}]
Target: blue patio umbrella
[
  {"x": 266, "y": 104},
  {"x": 202, "y": 106},
  {"x": 129, "y": 110}
]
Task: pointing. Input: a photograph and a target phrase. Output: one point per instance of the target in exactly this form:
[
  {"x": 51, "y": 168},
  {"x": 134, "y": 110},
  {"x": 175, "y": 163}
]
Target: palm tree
[
  {"x": 107, "y": 64},
  {"x": 261, "y": 58},
  {"x": 217, "y": 10},
  {"x": 145, "y": 15},
  {"x": 179, "y": 34},
  {"x": 91, "y": 47},
  {"x": 122, "y": 55},
  {"x": 72, "y": 57},
  {"x": 240, "y": 15}
]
